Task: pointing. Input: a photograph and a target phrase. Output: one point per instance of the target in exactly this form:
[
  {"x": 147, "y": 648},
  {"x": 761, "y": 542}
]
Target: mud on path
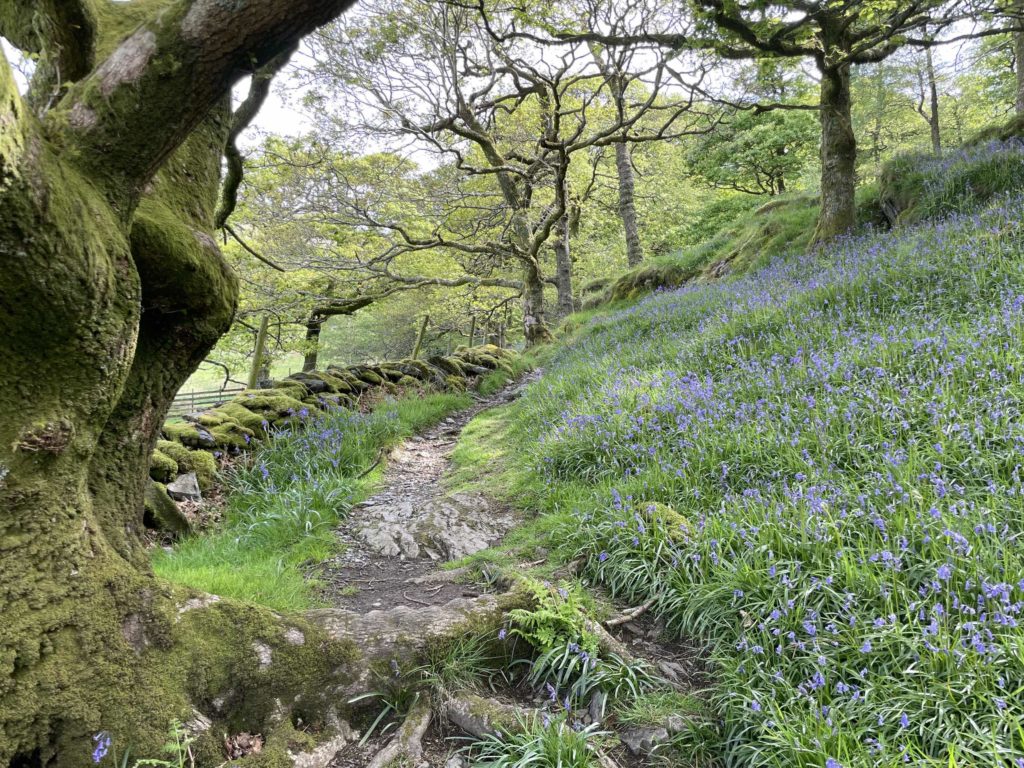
[{"x": 394, "y": 542}]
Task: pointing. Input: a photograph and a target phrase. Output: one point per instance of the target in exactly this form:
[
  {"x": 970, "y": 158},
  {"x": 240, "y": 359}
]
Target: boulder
[
  {"x": 185, "y": 488},
  {"x": 161, "y": 513}
]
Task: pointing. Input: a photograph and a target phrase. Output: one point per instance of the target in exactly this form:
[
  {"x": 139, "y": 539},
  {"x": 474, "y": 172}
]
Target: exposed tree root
[
  {"x": 408, "y": 742},
  {"x": 627, "y": 616},
  {"x": 479, "y": 716}
]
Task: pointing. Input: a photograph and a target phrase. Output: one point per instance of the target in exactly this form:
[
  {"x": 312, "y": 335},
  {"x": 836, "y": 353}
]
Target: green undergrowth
[
  {"x": 285, "y": 501},
  {"x": 753, "y": 238},
  {"x": 815, "y": 471}
]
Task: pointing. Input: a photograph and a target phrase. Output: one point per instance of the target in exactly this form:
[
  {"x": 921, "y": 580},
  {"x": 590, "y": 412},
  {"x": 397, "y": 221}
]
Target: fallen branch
[{"x": 632, "y": 613}]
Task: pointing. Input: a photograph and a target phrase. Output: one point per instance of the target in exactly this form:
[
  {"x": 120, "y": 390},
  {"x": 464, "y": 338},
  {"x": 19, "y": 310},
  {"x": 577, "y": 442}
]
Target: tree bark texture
[
  {"x": 563, "y": 268},
  {"x": 627, "y": 204},
  {"x": 838, "y": 155},
  {"x": 1018, "y": 51},
  {"x": 933, "y": 102}
]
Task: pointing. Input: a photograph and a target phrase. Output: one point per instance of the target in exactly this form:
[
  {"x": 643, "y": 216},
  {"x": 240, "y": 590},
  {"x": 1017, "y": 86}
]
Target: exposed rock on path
[{"x": 413, "y": 524}]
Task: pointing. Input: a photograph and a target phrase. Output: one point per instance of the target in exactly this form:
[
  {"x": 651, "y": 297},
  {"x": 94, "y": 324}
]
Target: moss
[
  {"x": 243, "y": 416},
  {"x": 176, "y": 451},
  {"x": 162, "y": 467},
  {"x": 408, "y": 381},
  {"x": 370, "y": 377},
  {"x": 189, "y": 434},
  {"x": 205, "y": 467},
  {"x": 269, "y": 402},
  {"x": 211, "y": 419},
  {"x": 232, "y": 435},
  {"x": 450, "y": 366},
  {"x": 390, "y": 373},
  {"x": 336, "y": 383},
  {"x": 292, "y": 388},
  {"x": 162, "y": 513}
]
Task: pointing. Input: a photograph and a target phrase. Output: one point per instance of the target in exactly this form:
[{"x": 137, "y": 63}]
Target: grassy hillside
[
  {"x": 815, "y": 469},
  {"x": 912, "y": 188}
]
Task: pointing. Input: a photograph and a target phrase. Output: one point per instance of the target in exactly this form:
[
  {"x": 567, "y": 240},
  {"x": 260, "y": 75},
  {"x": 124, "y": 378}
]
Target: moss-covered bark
[{"x": 112, "y": 290}]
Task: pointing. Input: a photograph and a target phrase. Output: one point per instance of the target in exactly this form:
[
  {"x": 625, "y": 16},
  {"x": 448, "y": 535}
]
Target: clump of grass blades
[{"x": 542, "y": 742}]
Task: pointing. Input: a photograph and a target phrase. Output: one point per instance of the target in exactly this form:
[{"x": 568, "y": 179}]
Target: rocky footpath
[{"x": 185, "y": 461}]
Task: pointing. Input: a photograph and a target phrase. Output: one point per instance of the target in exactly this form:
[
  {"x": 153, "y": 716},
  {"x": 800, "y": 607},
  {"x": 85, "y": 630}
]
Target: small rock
[
  {"x": 675, "y": 724},
  {"x": 598, "y": 704},
  {"x": 263, "y": 654},
  {"x": 457, "y": 761},
  {"x": 641, "y": 740},
  {"x": 185, "y": 488}
]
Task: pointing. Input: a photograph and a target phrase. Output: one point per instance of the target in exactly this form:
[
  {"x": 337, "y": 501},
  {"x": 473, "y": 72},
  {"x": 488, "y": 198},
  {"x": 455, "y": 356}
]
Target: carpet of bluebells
[{"x": 817, "y": 470}]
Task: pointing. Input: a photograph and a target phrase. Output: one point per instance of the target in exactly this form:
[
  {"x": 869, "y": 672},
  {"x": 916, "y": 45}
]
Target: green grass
[
  {"x": 654, "y": 707},
  {"x": 815, "y": 470},
  {"x": 543, "y": 743},
  {"x": 285, "y": 502}
]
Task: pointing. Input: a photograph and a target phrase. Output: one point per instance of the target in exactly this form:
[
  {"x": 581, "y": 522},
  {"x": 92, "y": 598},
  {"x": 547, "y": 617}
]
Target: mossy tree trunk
[
  {"x": 838, "y": 154},
  {"x": 113, "y": 290}
]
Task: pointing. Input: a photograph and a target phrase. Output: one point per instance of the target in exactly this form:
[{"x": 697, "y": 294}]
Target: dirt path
[{"x": 395, "y": 540}]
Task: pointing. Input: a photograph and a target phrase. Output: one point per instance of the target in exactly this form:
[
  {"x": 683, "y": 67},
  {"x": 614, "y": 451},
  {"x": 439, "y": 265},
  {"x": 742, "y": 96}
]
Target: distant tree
[
  {"x": 500, "y": 114},
  {"x": 755, "y": 153}
]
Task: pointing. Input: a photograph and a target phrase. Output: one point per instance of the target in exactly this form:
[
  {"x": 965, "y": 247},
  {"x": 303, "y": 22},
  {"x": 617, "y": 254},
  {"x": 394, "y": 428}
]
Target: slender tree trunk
[
  {"x": 1018, "y": 51},
  {"x": 419, "y": 337},
  {"x": 563, "y": 268},
  {"x": 534, "y": 327},
  {"x": 312, "y": 346},
  {"x": 933, "y": 101},
  {"x": 627, "y": 204},
  {"x": 838, "y": 155}
]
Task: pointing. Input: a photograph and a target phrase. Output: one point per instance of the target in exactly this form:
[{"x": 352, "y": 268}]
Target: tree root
[
  {"x": 606, "y": 761},
  {"x": 408, "y": 742},
  {"x": 627, "y": 616},
  {"x": 479, "y": 716}
]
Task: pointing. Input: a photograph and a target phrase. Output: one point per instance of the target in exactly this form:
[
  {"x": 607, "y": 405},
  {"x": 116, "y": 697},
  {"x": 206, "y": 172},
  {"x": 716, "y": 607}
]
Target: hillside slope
[{"x": 814, "y": 469}]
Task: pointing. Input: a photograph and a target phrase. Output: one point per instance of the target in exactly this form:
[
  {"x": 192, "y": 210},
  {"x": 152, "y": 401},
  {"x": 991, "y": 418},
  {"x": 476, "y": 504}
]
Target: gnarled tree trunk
[{"x": 112, "y": 290}]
